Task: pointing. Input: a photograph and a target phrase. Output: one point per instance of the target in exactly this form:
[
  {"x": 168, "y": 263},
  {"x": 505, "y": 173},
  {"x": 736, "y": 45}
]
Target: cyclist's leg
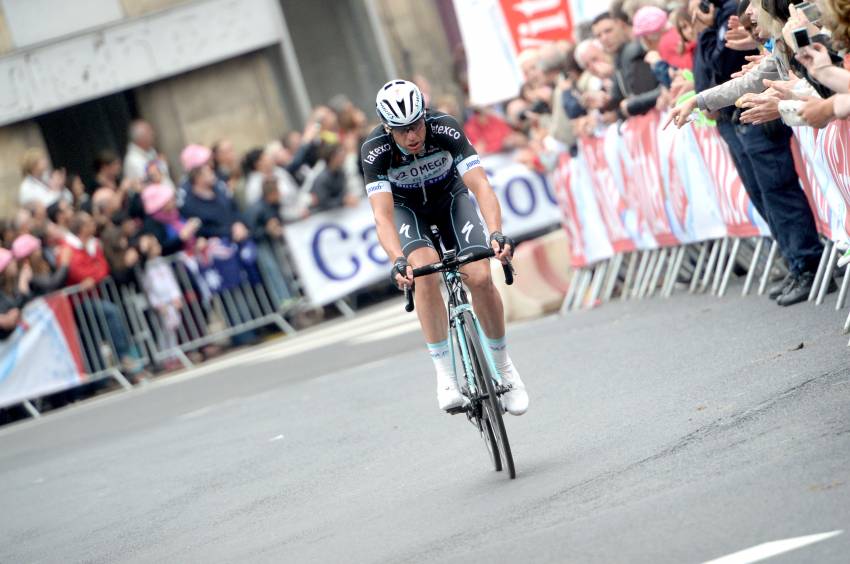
[
  {"x": 419, "y": 251},
  {"x": 465, "y": 231}
]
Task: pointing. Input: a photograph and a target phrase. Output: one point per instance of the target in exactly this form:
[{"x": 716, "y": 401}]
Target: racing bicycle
[{"x": 481, "y": 383}]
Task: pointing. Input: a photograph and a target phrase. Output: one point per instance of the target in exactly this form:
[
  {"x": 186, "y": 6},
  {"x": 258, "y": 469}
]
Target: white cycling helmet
[{"x": 399, "y": 103}]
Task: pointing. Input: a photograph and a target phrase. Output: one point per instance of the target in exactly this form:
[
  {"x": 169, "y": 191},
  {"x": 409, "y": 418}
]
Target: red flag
[{"x": 533, "y": 23}]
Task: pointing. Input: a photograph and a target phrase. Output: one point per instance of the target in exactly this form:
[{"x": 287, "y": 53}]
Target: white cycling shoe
[
  {"x": 515, "y": 401},
  {"x": 448, "y": 394}
]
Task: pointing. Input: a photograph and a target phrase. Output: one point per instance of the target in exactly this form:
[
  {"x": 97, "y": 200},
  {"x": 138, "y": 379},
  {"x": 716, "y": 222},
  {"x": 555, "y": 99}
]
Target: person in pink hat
[
  {"x": 37, "y": 274},
  {"x": 194, "y": 156},
  {"x": 163, "y": 221},
  {"x": 649, "y": 26},
  {"x": 10, "y": 301}
]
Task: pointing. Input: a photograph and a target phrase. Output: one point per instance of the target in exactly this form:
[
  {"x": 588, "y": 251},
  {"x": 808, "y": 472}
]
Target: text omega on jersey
[
  {"x": 445, "y": 129},
  {"x": 376, "y": 152}
]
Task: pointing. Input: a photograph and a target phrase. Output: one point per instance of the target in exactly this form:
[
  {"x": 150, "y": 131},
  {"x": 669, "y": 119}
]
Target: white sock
[
  {"x": 442, "y": 359},
  {"x": 499, "y": 351}
]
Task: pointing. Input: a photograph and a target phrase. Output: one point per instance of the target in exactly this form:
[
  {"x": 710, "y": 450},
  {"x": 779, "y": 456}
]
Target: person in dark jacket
[
  {"x": 264, "y": 221},
  {"x": 328, "y": 189},
  {"x": 263, "y": 217},
  {"x": 635, "y": 89},
  {"x": 217, "y": 211},
  {"x": 762, "y": 155},
  {"x": 163, "y": 221}
]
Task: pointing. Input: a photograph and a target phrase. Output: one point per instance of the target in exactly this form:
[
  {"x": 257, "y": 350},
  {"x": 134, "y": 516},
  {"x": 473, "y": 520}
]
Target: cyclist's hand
[
  {"x": 502, "y": 245},
  {"x": 402, "y": 273}
]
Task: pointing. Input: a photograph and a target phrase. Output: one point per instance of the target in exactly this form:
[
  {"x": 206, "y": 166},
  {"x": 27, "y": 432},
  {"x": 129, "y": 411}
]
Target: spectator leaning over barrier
[
  {"x": 649, "y": 26},
  {"x": 10, "y": 303},
  {"x": 635, "y": 89},
  {"x": 592, "y": 88},
  {"x": 141, "y": 152},
  {"x": 41, "y": 185},
  {"x": 768, "y": 162},
  {"x": 824, "y": 67},
  {"x": 87, "y": 264},
  {"x": 264, "y": 220},
  {"x": 87, "y": 267}
]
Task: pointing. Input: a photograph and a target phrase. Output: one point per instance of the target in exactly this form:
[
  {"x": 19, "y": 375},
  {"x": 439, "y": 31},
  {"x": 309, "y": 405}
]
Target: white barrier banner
[
  {"x": 337, "y": 253},
  {"x": 493, "y": 72},
  {"x": 42, "y": 355}
]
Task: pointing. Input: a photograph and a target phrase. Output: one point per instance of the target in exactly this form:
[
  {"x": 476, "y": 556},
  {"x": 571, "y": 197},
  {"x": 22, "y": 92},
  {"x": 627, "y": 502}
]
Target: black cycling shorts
[{"x": 456, "y": 218}]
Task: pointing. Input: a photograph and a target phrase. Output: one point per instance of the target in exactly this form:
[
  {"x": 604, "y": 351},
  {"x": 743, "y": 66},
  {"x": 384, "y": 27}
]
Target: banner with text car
[{"x": 337, "y": 253}]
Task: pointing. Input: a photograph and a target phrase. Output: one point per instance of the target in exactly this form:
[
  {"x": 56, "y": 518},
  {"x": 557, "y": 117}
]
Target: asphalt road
[{"x": 659, "y": 431}]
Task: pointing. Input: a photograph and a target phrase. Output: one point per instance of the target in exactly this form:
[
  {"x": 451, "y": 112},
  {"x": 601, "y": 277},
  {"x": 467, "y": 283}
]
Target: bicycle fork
[{"x": 466, "y": 358}]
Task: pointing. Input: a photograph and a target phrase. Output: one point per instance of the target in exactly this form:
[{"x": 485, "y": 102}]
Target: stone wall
[
  {"x": 5, "y": 34},
  {"x": 418, "y": 43},
  {"x": 135, "y": 8},
  {"x": 14, "y": 140},
  {"x": 238, "y": 99}
]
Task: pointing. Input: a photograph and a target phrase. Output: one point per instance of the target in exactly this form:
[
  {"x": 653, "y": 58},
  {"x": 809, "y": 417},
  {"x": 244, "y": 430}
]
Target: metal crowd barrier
[
  {"x": 206, "y": 317},
  {"x": 119, "y": 331},
  {"x": 100, "y": 320}
]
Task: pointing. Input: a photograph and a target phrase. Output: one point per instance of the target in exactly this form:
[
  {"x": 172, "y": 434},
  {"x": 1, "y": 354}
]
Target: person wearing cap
[
  {"x": 10, "y": 301},
  {"x": 37, "y": 275},
  {"x": 163, "y": 221},
  {"x": 648, "y": 26},
  {"x": 207, "y": 200}
]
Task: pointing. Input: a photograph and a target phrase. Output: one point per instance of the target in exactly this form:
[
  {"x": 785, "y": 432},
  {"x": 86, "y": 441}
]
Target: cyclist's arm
[
  {"x": 476, "y": 180},
  {"x": 382, "y": 209}
]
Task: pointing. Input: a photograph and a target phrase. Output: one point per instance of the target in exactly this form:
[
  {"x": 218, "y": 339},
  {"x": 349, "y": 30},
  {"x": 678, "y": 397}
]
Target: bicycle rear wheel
[{"x": 491, "y": 407}]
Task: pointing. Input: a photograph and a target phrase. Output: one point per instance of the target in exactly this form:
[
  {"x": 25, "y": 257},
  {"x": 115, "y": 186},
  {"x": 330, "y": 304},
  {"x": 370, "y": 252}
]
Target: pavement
[{"x": 680, "y": 430}]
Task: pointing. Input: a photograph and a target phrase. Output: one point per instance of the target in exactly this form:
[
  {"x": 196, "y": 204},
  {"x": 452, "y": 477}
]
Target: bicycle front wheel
[{"x": 484, "y": 379}]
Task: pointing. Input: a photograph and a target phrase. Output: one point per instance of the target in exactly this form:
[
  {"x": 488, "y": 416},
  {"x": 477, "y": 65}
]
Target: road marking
[
  {"x": 770, "y": 549},
  {"x": 386, "y": 333}
]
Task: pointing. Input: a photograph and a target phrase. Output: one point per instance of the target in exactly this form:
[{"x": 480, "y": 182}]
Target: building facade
[{"x": 74, "y": 74}]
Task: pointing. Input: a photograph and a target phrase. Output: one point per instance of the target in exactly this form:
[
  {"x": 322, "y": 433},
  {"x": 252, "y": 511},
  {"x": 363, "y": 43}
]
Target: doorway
[{"x": 75, "y": 135}]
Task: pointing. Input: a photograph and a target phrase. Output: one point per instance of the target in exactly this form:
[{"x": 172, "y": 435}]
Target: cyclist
[{"x": 418, "y": 164}]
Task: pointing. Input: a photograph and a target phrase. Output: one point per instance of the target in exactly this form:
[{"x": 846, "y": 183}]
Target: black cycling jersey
[{"x": 421, "y": 180}]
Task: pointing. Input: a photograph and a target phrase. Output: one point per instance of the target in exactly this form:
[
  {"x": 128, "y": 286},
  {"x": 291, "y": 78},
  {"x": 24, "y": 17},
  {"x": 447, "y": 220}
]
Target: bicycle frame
[{"x": 457, "y": 304}]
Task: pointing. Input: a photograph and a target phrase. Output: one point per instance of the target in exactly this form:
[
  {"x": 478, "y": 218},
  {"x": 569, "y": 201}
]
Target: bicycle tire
[
  {"x": 491, "y": 406},
  {"x": 479, "y": 420}
]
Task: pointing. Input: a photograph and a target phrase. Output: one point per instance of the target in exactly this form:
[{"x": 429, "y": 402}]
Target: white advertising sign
[{"x": 337, "y": 253}]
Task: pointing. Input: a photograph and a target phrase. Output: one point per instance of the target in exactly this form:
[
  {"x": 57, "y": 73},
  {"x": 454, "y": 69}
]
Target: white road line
[
  {"x": 342, "y": 333},
  {"x": 770, "y": 549},
  {"x": 386, "y": 333}
]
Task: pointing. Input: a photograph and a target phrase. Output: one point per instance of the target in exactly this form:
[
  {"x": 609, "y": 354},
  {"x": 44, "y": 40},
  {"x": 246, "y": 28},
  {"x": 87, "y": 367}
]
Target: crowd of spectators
[
  {"x": 137, "y": 216},
  {"x": 752, "y": 68}
]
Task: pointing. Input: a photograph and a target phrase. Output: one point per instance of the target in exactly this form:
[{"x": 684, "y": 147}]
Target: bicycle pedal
[{"x": 457, "y": 410}]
